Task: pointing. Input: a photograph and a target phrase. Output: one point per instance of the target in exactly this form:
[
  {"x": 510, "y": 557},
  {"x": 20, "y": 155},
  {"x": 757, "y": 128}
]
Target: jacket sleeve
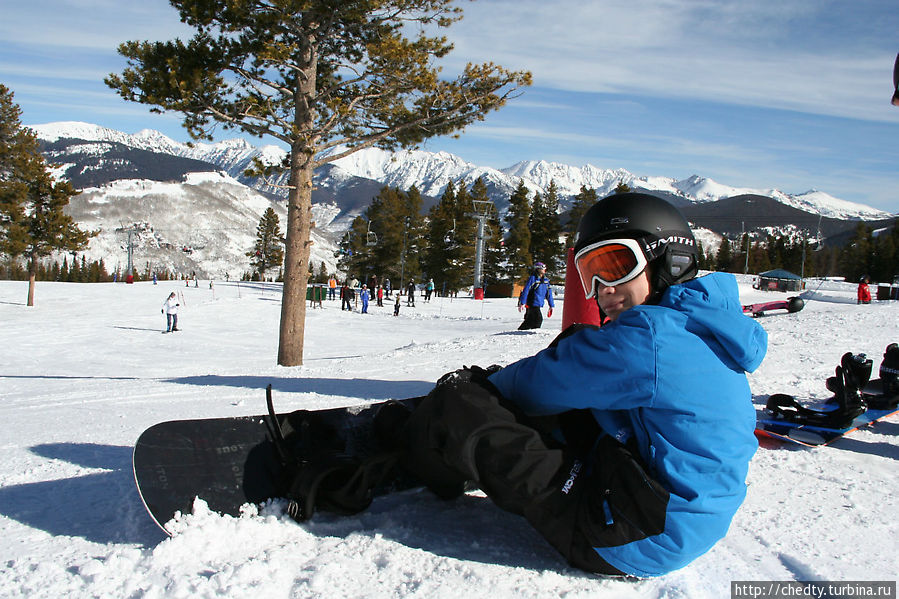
[
  {"x": 522, "y": 299},
  {"x": 612, "y": 368},
  {"x": 549, "y": 295}
]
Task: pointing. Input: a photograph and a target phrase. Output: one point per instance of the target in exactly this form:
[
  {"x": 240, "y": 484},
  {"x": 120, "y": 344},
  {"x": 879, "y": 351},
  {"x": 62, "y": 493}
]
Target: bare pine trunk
[
  {"x": 32, "y": 275},
  {"x": 296, "y": 260}
]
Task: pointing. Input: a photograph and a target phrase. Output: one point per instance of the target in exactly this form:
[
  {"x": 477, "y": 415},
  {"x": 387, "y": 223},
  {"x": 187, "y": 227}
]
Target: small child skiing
[
  {"x": 170, "y": 309},
  {"x": 396, "y": 306}
]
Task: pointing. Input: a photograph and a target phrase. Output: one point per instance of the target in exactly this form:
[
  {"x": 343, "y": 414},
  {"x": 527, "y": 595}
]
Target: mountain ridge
[
  {"x": 432, "y": 171},
  {"x": 192, "y": 210}
]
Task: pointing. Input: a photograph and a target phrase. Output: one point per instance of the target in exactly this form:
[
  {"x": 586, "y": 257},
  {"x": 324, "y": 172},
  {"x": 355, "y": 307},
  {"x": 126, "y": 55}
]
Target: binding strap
[
  {"x": 849, "y": 378},
  {"x": 785, "y": 407}
]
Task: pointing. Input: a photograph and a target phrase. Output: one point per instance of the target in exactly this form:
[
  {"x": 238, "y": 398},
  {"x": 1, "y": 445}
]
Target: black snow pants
[
  {"x": 589, "y": 493},
  {"x": 533, "y": 319}
]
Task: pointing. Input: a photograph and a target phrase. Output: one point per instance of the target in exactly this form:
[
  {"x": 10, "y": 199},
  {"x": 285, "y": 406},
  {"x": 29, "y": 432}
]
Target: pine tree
[
  {"x": 856, "y": 259},
  {"x": 546, "y": 230},
  {"x": 449, "y": 258},
  {"x": 386, "y": 239},
  {"x": 351, "y": 254},
  {"x": 622, "y": 187},
  {"x": 724, "y": 256},
  {"x": 582, "y": 202},
  {"x": 397, "y": 222},
  {"x": 518, "y": 242},
  {"x": 32, "y": 218},
  {"x": 440, "y": 236},
  {"x": 269, "y": 249},
  {"x": 316, "y": 75}
]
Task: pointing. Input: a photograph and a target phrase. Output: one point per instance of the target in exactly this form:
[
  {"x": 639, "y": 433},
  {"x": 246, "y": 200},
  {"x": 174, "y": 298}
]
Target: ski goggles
[{"x": 610, "y": 262}]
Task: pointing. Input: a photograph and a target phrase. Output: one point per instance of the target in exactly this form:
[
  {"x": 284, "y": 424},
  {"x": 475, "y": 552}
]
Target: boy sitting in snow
[{"x": 626, "y": 446}]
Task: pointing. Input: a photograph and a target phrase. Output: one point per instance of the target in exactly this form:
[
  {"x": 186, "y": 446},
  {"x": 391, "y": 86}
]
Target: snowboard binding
[
  {"x": 888, "y": 384},
  {"x": 314, "y": 469},
  {"x": 850, "y": 377}
]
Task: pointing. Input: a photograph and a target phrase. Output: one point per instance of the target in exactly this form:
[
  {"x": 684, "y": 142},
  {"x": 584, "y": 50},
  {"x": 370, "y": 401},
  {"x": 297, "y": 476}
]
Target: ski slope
[{"x": 86, "y": 370}]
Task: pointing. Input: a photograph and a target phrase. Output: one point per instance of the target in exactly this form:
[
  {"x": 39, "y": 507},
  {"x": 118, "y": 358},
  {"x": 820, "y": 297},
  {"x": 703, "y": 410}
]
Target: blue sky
[{"x": 793, "y": 95}]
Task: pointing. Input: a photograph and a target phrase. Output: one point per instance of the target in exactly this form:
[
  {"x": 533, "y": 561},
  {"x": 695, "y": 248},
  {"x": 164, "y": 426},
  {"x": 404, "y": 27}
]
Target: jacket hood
[{"x": 713, "y": 303}]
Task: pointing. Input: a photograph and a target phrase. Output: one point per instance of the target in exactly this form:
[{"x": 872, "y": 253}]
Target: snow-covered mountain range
[
  {"x": 114, "y": 169},
  {"x": 432, "y": 171}
]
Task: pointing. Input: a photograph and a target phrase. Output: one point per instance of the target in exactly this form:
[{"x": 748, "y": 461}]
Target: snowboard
[
  {"x": 793, "y": 304},
  {"x": 229, "y": 462},
  {"x": 815, "y": 436}
]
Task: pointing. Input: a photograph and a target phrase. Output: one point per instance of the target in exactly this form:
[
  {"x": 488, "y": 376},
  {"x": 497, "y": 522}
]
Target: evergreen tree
[
  {"x": 857, "y": 256},
  {"x": 724, "y": 256},
  {"x": 518, "y": 242},
  {"x": 269, "y": 249},
  {"x": 397, "y": 221},
  {"x": 75, "y": 272},
  {"x": 451, "y": 231},
  {"x": 585, "y": 198},
  {"x": 386, "y": 240},
  {"x": 622, "y": 187},
  {"x": 440, "y": 236},
  {"x": 352, "y": 256},
  {"x": 546, "y": 230},
  {"x": 758, "y": 259},
  {"x": 316, "y": 75},
  {"x": 64, "y": 270},
  {"x": 32, "y": 218}
]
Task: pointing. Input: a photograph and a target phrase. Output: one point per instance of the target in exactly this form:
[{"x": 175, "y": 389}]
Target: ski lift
[
  {"x": 371, "y": 238},
  {"x": 450, "y": 236}
]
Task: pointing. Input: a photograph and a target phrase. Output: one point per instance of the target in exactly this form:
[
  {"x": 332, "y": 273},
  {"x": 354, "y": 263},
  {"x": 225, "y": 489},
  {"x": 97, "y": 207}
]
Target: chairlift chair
[{"x": 450, "y": 236}]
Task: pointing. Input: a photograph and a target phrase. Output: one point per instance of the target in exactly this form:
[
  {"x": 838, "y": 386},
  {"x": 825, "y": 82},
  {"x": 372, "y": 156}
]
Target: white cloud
[
  {"x": 762, "y": 53},
  {"x": 88, "y": 24}
]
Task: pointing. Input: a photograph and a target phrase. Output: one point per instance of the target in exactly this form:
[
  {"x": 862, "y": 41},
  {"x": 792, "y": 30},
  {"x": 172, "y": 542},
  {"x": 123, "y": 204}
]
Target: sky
[{"x": 765, "y": 94}]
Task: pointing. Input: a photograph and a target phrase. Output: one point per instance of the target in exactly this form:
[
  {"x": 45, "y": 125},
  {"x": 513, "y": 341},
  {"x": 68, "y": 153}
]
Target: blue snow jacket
[
  {"x": 536, "y": 290},
  {"x": 672, "y": 377}
]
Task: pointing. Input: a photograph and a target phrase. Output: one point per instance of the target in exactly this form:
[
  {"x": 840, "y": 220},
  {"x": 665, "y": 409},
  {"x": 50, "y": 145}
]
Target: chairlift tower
[
  {"x": 129, "y": 274},
  {"x": 481, "y": 211}
]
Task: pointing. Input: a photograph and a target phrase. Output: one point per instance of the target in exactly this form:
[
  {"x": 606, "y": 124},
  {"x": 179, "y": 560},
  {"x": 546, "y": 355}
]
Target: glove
[
  {"x": 550, "y": 313},
  {"x": 466, "y": 374}
]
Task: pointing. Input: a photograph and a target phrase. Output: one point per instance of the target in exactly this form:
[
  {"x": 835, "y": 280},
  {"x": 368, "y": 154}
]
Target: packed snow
[{"x": 86, "y": 370}]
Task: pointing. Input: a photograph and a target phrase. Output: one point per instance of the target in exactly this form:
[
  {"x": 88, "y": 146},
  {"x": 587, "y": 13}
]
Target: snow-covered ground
[{"x": 86, "y": 370}]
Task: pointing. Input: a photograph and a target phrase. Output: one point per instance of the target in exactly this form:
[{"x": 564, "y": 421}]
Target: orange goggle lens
[{"x": 610, "y": 262}]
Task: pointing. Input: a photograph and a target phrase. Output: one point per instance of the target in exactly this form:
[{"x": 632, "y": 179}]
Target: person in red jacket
[{"x": 864, "y": 293}]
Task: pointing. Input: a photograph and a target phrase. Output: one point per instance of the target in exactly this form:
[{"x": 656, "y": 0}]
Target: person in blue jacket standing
[
  {"x": 536, "y": 291},
  {"x": 626, "y": 446},
  {"x": 364, "y": 295}
]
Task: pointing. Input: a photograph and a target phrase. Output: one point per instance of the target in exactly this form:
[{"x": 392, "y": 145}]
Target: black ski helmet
[{"x": 663, "y": 233}]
